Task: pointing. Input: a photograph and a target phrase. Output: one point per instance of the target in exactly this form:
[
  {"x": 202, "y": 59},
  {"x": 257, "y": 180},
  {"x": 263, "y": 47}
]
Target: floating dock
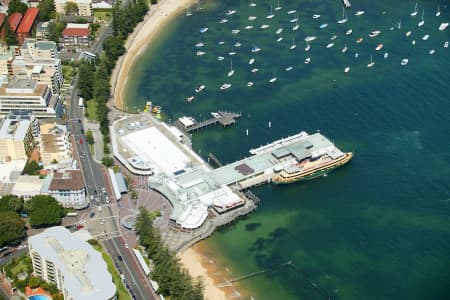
[{"x": 225, "y": 119}]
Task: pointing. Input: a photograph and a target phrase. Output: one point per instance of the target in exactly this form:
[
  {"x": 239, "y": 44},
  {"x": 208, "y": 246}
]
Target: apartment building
[
  {"x": 84, "y": 7},
  {"x": 16, "y": 139},
  {"x": 74, "y": 266},
  {"x": 68, "y": 188},
  {"x": 76, "y": 35},
  {"x": 54, "y": 143}
]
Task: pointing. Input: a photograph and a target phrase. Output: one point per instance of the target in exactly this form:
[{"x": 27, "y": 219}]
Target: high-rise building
[{"x": 16, "y": 139}]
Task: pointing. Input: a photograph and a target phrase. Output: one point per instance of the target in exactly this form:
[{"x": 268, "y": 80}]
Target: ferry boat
[{"x": 312, "y": 167}]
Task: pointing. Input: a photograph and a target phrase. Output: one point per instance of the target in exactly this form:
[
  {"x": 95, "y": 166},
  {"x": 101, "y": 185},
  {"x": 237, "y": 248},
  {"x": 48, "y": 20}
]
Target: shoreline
[{"x": 138, "y": 40}]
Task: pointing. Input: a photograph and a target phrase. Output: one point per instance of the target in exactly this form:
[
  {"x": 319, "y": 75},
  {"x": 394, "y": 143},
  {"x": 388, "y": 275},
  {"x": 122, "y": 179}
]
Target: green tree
[
  {"x": 45, "y": 211},
  {"x": 108, "y": 161},
  {"x": 34, "y": 282},
  {"x": 86, "y": 79},
  {"x": 55, "y": 30},
  {"x": 71, "y": 8},
  {"x": 11, "y": 203},
  {"x": 31, "y": 168},
  {"x": 89, "y": 137},
  {"x": 12, "y": 228},
  {"x": 10, "y": 36},
  {"x": 47, "y": 10},
  {"x": 16, "y": 6},
  {"x": 113, "y": 47}
]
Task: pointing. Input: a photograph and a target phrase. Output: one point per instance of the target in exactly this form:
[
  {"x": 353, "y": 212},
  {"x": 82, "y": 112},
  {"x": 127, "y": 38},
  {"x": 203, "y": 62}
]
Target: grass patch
[
  {"x": 91, "y": 110},
  {"x": 122, "y": 293},
  {"x": 68, "y": 72},
  {"x": 20, "y": 266},
  {"x": 103, "y": 15}
]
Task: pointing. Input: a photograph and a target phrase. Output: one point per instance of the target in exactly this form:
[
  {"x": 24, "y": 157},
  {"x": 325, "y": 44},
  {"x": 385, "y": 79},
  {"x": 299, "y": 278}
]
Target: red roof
[
  {"x": 2, "y": 18},
  {"x": 76, "y": 32},
  {"x": 14, "y": 20},
  {"x": 28, "y": 20}
]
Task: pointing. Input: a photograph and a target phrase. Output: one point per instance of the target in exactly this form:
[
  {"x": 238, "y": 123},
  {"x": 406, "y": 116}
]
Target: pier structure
[
  {"x": 224, "y": 118},
  {"x": 203, "y": 198}
]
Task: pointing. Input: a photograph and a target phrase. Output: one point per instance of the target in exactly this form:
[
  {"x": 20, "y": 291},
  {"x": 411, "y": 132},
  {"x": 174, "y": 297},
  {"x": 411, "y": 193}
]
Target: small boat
[
  {"x": 422, "y": 22},
  {"x": 271, "y": 14},
  {"x": 279, "y": 30},
  {"x": 330, "y": 45},
  {"x": 156, "y": 109},
  {"x": 200, "y": 88},
  {"x": 426, "y": 37},
  {"x": 432, "y": 51},
  {"x": 264, "y": 26},
  {"x": 349, "y": 32},
  {"x": 356, "y": 55},
  {"x": 324, "y": 25},
  {"x": 399, "y": 25},
  {"x": 359, "y": 40},
  {"x": 230, "y": 12},
  {"x": 231, "y": 72},
  {"x": 188, "y": 13},
  {"x": 374, "y": 33},
  {"x": 293, "y": 46},
  {"x": 279, "y": 39},
  {"x": 250, "y": 83},
  {"x": 225, "y": 86},
  {"x": 255, "y": 70},
  {"x": 413, "y": 42},
  {"x": 344, "y": 17},
  {"x": 295, "y": 27},
  {"x": 310, "y": 38},
  {"x": 200, "y": 53},
  {"x": 333, "y": 37},
  {"x": 256, "y": 49},
  {"x": 408, "y": 33},
  {"x": 203, "y": 30},
  {"x": 291, "y": 12},
  {"x": 198, "y": 45},
  {"x": 288, "y": 68},
  {"x": 379, "y": 46},
  {"x": 220, "y": 42},
  {"x": 294, "y": 20},
  {"x": 307, "y": 60},
  {"x": 359, "y": 13},
  {"x": 223, "y": 21},
  {"x": 316, "y": 16},
  {"x": 252, "y": 4},
  {"x": 231, "y": 53},
  {"x": 273, "y": 79},
  {"x": 248, "y": 27},
  {"x": 237, "y": 44},
  {"x": 308, "y": 46},
  {"x": 219, "y": 58},
  {"x": 347, "y": 69},
  {"x": 251, "y": 18},
  {"x": 372, "y": 63},
  {"x": 251, "y": 61},
  {"x": 445, "y": 44},
  {"x": 235, "y": 31},
  {"x": 278, "y": 6},
  {"x": 386, "y": 55},
  {"x": 414, "y": 13},
  {"x": 344, "y": 49},
  {"x": 404, "y": 62},
  {"x": 438, "y": 13},
  {"x": 190, "y": 99},
  {"x": 443, "y": 26}
]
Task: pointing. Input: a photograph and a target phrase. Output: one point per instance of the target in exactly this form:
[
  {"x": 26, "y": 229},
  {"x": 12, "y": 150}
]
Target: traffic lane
[
  {"x": 124, "y": 269},
  {"x": 14, "y": 254}
]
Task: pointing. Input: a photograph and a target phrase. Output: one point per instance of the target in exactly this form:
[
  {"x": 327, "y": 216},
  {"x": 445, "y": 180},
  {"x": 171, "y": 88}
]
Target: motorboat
[
  {"x": 252, "y": 4},
  {"x": 235, "y": 31},
  {"x": 220, "y": 42},
  {"x": 359, "y": 40},
  {"x": 386, "y": 55},
  {"x": 264, "y": 26},
  {"x": 316, "y": 16},
  {"x": 426, "y": 37},
  {"x": 404, "y": 62},
  {"x": 230, "y": 12},
  {"x": 408, "y": 33},
  {"x": 279, "y": 39},
  {"x": 438, "y": 13},
  {"x": 415, "y": 12},
  {"x": 308, "y": 46},
  {"x": 223, "y": 21},
  {"x": 443, "y": 26},
  {"x": 200, "y": 53},
  {"x": 190, "y": 99},
  {"x": 219, "y": 58},
  {"x": 295, "y": 27},
  {"x": 432, "y": 51},
  {"x": 255, "y": 70},
  {"x": 349, "y": 32},
  {"x": 251, "y": 18},
  {"x": 225, "y": 86},
  {"x": 330, "y": 45},
  {"x": 248, "y": 27},
  {"x": 203, "y": 29},
  {"x": 445, "y": 44},
  {"x": 372, "y": 63},
  {"x": 279, "y": 30},
  {"x": 294, "y": 20},
  {"x": 251, "y": 61},
  {"x": 422, "y": 22},
  {"x": 273, "y": 79},
  {"x": 310, "y": 38},
  {"x": 324, "y": 25},
  {"x": 374, "y": 33},
  {"x": 379, "y": 46},
  {"x": 231, "y": 53},
  {"x": 256, "y": 49},
  {"x": 237, "y": 44},
  {"x": 359, "y": 13},
  {"x": 333, "y": 37},
  {"x": 250, "y": 83},
  {"x": 231, "y": 72},
  {"x": 344, "y": 49},
  {"x": 200, "y": 88},
  {"x": 413, "y": 42},
  {"x": 198, "y": 45},
  {"x": 307, "y": 60},
  {"x": 347, "y": 69},
  {"x": 288, "y": 68},
  {"x": 291, "y": 12},
  {"x": 344, "y": 17}
]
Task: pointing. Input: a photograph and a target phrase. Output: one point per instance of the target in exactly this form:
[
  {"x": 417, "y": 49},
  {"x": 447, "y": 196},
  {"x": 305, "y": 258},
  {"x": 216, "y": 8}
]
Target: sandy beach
[{"x": 156, "y": 17}]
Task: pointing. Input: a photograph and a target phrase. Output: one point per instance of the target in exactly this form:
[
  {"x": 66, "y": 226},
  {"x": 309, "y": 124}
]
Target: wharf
[{"x": 223, "y": 118}]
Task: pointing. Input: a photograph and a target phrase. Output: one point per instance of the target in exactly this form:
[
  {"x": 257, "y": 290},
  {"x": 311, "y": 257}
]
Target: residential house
[
  {"x": 27, "y": 24},
  {"x": 76, "y": 35}
]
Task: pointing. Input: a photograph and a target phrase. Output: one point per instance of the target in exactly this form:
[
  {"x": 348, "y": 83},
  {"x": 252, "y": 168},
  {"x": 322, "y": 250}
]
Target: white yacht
[
  {"x": 273, "y": 79},
  {"x": 443, "y": 26},
  {"x": 344, "y": 49},
  {"x": 426, "y": 37},
  {"x": 251, "y": 18},
  {"x": 404, "y": 62},
  {"x": 330, "y": 45},
  {"x": 445, "y": 44},
  {"x": 414, "y": 13},
  {"x": 230, "y": 12},
  {"x": 225, "y": 86},
  {"x": 198, "y": 45},
  {"x": 308, "y": 46},
  {"x": 271, "y": 13},
  {"x": 408, "y": 33},
  {"x": 386, "y": 55},
  {"x": 200, "y": 88},
  {"x": 359, "y": 13},
  {"x": 291, "y": 12},
  {"x": 422, "y": 22},
  {"x": 237, "y": 44},
  {"x": 372, "y": 63},
  {"x": 250, "y": 83},
  {"x": 255, "y": 70},
  {"x": 316, "y": 16},
  {"x": 344, "y": 17},
  {"x": 231, "y": 72},
  {"x": 374, "y": 33},
  {"x": 349, "y": 32},
  {"x": 203, "y": 30},
  {"x": 279, "y": 39},
  {"x": 256, "y": 49},
  {"x": 294, "y": 20},
  {"x": 288, "y": 68},
  {"x": 324, "y": 25},
  {"x": 432, "y": 51},
  {"x": 223, "y": 21},
  {"x": 278, "y": 6},
  {"x": 219, "y": 58},
  {"x": 293, "y": 46},
  {"x": 248, "y": 27},
  {"x": 251, "y": 61},
  {"x": 347, "y": 69},
  {"x": 190, "y": 99},
  {"x": 279, "y": 30},
  {"x": 438, "y": 13},
  {"x": 307, "y": 60},
  {"x": 252, "y": 4},
  {"x": 310, "y": 38},
  {"x": 220, "y": 42},
  {"x": 333, "y": 37},
  {"x": 264, "y": 26},
  {"x": 200, "y": 53},
  {"x": 295, "y": 27},
  {"x": 235, "y": 31}
]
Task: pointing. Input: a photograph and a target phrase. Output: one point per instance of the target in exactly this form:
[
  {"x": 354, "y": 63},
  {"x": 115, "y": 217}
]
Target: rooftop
[
  {"x": 27, "y": 185},
  {"x": 14, "y": 20},
  {"x": 67, "y": 180},
  {"x": 28, "y": 20},
  {"x": 83, "y": 268},
  {"x": 14, "y": 129}
]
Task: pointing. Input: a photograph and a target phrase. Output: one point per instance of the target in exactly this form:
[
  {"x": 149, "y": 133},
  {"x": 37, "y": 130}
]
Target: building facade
[
  {"x": 28, "y": 95},
  {"x": 84, "y": 7},
  {"x": 74, "y": 266},
  {"x": 68, "y": 188},
  {"x": 54, "y": 143},
  {"x": 76, "y": 35},
  {"x": 16, "y": 139}
]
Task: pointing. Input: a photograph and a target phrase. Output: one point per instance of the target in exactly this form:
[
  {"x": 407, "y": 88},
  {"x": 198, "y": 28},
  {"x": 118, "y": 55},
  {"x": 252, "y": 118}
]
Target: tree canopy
[
  {"x": 47, "y": 10},
  {"x": 12, "y": 228},
  {"x": 16, "y": 6},
  {"x": 11, "y": 203},
  {"x": 71, "y": 8},
  {"x": 10, "y": 36},
  {"x": 44, "y": 211},
  {"x": 31, "y": 168}
]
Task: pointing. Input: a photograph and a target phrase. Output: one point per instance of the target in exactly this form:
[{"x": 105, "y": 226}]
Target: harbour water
[{"x": 377, "y": 228}]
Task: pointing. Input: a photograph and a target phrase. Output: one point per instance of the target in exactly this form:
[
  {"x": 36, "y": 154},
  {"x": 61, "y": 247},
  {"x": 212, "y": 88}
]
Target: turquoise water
[
  {"x": 377, "y": 228},
  {"x": 39, "y": 297}
]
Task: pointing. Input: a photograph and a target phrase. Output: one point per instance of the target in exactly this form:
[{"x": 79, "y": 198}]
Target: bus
[
  {"x": 81, "y": 103},
  {"x": 72, "y": 214},
  {"x": 89, "y": 55}
]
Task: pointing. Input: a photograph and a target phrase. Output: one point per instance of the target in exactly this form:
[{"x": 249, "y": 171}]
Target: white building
[
  {"x": 74, "y": 266},
  {"x": 16, "y": 139},
  {"x": 84, "y": 7},
  {"x": 27, "y": 186},
  {"x": 54, "y": 143},
  {"x": 67, "y": 187},
  {"x": 29, "y": 95}
]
